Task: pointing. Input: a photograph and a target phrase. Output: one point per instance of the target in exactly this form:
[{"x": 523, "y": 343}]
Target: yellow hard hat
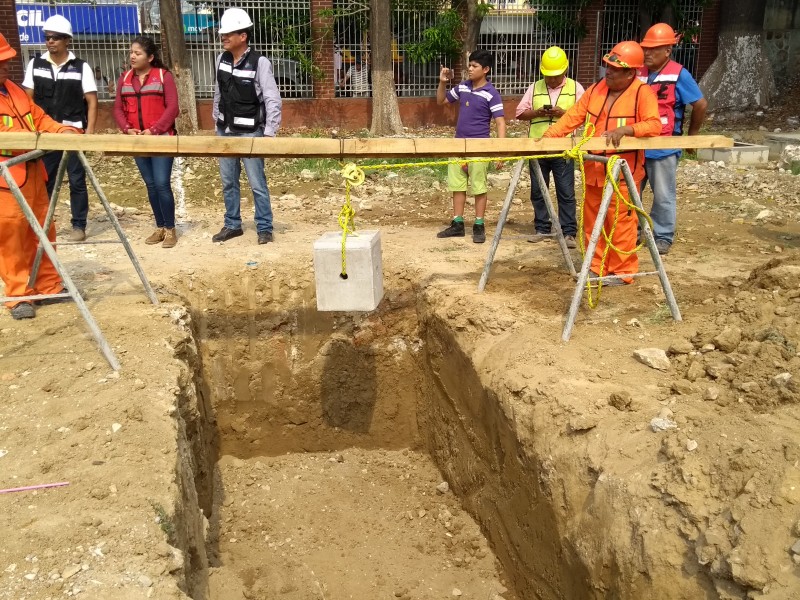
[{"x": 554, "y": 62}]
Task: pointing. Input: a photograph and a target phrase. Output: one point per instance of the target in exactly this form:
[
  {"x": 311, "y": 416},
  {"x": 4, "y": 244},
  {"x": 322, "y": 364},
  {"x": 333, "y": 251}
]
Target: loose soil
[{"x": 252, "y": 447}]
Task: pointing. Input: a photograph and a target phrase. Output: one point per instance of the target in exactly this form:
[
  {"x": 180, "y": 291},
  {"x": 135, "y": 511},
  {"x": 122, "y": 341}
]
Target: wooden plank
[{"x": 291, "y": 147}]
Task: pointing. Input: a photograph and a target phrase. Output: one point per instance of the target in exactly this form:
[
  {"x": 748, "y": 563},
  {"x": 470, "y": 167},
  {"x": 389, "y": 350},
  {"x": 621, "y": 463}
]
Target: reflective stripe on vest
[
  {"x": 61, "y": 94},
  {"x": 541, "y": 96},
  {"x": 663, "y": 85},
  {"x": 241, "y": 109}
]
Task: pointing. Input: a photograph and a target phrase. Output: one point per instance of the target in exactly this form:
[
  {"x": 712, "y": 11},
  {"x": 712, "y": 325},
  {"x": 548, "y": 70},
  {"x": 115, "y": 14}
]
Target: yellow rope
[{"x": 355, "y": 175}]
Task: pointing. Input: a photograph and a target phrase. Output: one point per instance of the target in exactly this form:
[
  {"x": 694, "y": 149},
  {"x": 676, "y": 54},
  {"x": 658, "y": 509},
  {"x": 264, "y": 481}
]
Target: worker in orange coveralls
[
  {"x": 617, "y": 105},
  {"x": 18, "y": 242}
]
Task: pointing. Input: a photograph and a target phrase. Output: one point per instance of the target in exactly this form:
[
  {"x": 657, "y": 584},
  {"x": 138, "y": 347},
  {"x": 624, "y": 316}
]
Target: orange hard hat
[
  {"x": 6, "y": 51},
  {"x": 660, "y": 34},
  {"x": 627, "y": 55}
]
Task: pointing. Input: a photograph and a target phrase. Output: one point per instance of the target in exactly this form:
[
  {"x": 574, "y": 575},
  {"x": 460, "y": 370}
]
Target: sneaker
[
  {"x": 170, "y": 238},
  {"x": 226, "y": 234},
  {"x": 265, "y": 237},
  {"x": 49, "y": 301},
  {"x": 76, "y": 235},
  {"x": 478, "y": 233},
  {"x": 156, "y": 237},
  {"x": 539, "y": 237},
  {"x": 663, "y": 247},
  {"x": 571, "y": 242},
  {"x": 23, "y": 310},
  {"x": 456, "y": 229}
]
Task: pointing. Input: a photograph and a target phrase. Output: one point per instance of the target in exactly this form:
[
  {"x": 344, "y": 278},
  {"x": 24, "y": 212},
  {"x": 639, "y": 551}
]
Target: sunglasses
[
  {"x": 55, "y": 38},
  {"x": 616, "y": 61}
]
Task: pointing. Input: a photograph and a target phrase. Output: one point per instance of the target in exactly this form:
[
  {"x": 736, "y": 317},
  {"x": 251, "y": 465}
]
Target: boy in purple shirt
[{"x": 479, "y": 103}]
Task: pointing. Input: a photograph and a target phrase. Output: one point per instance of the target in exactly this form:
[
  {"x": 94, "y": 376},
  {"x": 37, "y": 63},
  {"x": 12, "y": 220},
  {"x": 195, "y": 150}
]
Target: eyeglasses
[
  {"x": 616, "y": 61},
  {"x": 55, "y": 38}
]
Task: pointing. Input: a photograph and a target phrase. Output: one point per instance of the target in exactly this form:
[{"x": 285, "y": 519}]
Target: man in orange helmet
[
  {"x": 675, "y": 88},
  {"x": 18, "y": 242},
  {"x": 617, "y": 105}
]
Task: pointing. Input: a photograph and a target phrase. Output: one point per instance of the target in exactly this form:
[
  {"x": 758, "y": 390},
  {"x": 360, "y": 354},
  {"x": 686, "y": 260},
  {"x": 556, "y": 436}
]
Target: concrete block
[
  {"x": 740, "y": 154},
  {"x": 363, "y": 288}
]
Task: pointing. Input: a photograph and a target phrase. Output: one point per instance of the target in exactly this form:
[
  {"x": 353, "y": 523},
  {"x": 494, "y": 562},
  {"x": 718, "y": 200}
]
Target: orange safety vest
[
  {"x": 15, "y": 111},
  {"x": 624, "y": 111}
]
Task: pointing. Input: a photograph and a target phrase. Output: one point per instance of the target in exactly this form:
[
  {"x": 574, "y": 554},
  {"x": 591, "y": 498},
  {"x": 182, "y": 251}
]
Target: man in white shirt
[{"x": 64, "y": 86}]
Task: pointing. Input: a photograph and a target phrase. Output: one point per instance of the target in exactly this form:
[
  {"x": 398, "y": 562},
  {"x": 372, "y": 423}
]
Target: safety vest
[
  {"x": 624, "y": 111},
  {"x": 61, "y": 94},
  {"x": 240, "y": 108},
  {"x": 664, "y": 86},
  {"x": 144, "y": 108},
  {"x": 541, "y": 96},
  {"x": 15, "y": 112}
]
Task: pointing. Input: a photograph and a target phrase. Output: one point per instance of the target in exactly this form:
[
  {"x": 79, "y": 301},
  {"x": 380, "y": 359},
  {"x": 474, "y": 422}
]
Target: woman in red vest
[{"x": 147, "y": 104}]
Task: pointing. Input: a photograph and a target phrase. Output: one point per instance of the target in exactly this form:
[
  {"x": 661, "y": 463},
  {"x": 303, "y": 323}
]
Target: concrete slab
[
  {"x": 363, "y": 288},
  {"x": 778, "y": 141},
  {"x": 740, "y": 154}
]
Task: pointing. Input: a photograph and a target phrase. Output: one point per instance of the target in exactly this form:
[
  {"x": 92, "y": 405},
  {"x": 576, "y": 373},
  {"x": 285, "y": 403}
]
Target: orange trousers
[
  {"x": 624, "y": 234},
  {"x": 18, "y": 243}
]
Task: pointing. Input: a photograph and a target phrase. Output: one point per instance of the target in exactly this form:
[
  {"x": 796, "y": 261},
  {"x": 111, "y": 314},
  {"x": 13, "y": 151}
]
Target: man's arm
[
  {"x": 501, "y": 126},
  {"x": 215, "y": 102},
  {"x": 445, "y": 75},
  {"x": 91, "y": 111},
  {"x": 698, "y": 115},
  {"x": 572, "y": 119},
  {"x": 270, "y": 96}
]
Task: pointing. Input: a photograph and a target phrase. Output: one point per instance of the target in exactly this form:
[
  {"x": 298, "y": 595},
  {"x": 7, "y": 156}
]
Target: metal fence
[
  {"x": 630, "y": 19},
  {"x": 517, "y": 32}
]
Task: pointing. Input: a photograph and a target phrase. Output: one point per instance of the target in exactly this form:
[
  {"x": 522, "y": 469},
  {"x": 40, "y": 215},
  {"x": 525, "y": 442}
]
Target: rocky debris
[
  {"x": 790, "y": 156},
  {"x": 620, "y": 400},
  {"x": 654, "y": 358},
  {"x": 728, "y": 339},
  {"x": 680, "y": 346},
  {"x": 443, "y": 487},
  {"x": 662, "y": 424},
  {"x": 583, "y": 423}
]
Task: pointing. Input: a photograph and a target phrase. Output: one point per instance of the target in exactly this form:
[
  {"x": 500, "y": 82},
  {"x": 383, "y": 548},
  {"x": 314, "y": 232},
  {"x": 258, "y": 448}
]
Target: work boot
[
  {"x": 478, "y": 233},
  {"x": 539, "y": 237},
  {"x": 170, "y": 238},
  {"x": 49, "y": 301},
  {"x": 156, "y": 237},
  {"x": 23, "y": 310},
  {"x": 77, "y": 234},
  {"x": 456, "y": 229},
  {"x": 571, "y": 242},
  {"x": 226, "y": 234},
  {"x": 663, "y": 247},
  {"x": 264, "y": 237}
]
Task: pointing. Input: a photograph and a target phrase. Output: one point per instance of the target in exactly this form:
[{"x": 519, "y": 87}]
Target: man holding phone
[{"x": 543, "y": 104}]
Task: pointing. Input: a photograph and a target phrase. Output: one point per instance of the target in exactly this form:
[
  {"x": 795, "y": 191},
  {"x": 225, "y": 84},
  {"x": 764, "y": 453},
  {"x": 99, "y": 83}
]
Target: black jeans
[
  {"x": 78, "y": 196},
  {"x": 564, "y": 178}
]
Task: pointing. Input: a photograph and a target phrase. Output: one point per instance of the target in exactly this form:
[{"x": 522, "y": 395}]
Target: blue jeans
[
  {"x": 78, "y": 196},
  {"x": 662, "y": 173},
  {"x": 564, "y": 178},
  {"x": 156, "y": 172},
  {"x": 229, "y": 170}
]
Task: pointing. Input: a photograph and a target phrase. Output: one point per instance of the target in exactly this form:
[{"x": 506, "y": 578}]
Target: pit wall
[{"x": 279, "y": 377}]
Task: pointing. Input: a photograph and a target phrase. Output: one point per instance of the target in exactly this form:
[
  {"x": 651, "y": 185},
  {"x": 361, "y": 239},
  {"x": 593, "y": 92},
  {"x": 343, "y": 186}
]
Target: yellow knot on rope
[{"x": 352, "y": 174}]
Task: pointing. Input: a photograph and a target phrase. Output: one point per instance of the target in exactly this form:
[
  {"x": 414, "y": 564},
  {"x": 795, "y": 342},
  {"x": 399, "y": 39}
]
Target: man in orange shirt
[
  {"x": 617, "y": 105},
  {"x": 18, "y": 242}
]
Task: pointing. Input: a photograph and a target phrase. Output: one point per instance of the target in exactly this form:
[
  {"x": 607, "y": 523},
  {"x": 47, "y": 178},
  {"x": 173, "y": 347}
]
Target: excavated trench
[{"x": 313, "y": 444}]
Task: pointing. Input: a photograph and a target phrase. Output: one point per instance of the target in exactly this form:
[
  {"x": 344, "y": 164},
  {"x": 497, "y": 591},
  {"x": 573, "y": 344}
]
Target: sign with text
[{"x": 86, "y": 19}]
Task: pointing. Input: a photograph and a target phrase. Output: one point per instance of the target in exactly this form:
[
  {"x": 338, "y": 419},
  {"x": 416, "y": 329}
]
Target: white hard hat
[
  {"x": 58, "y": 24},
  {"x": 234, "y": 19}
]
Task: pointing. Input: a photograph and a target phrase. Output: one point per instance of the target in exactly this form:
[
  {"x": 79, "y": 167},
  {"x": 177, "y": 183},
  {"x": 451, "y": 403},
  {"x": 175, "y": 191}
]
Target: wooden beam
[{"x": 353, "y": 148}]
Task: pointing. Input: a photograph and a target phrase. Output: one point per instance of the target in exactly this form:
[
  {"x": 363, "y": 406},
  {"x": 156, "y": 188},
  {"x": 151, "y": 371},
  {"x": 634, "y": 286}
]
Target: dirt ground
[{"x": 214, "y": 464}]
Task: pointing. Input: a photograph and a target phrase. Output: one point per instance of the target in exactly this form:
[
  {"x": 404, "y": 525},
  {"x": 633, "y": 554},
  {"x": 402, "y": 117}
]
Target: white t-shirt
[{"x": 87, "y": 77}]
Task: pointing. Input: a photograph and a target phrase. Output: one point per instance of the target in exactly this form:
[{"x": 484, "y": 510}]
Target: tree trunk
[
  {"x": 385, "y": 111},
  {"x": 741, "y": 76},
  {"x": 472, "y": 28},
  {"x": 177, "y": 60}
]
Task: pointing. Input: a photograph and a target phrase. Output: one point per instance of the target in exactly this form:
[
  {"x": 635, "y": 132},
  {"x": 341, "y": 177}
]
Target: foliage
[
  {"x": 441, "y": 39},
  {"x": 561, "y": 16},
  {"x": 291, "y": 30}
]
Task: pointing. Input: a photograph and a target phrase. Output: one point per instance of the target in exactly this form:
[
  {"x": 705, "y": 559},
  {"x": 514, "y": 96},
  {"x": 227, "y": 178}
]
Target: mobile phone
[{"x": 548, "y": 107}]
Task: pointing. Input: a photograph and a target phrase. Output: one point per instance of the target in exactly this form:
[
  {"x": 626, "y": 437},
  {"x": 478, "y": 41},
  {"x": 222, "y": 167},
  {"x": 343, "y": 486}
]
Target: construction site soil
[{"x": 445, "y": 445}]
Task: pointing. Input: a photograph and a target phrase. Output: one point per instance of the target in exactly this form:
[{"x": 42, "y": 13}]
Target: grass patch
[
  {"x": 164, "y": 521},
  {"x": 660, "y": 315}
]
